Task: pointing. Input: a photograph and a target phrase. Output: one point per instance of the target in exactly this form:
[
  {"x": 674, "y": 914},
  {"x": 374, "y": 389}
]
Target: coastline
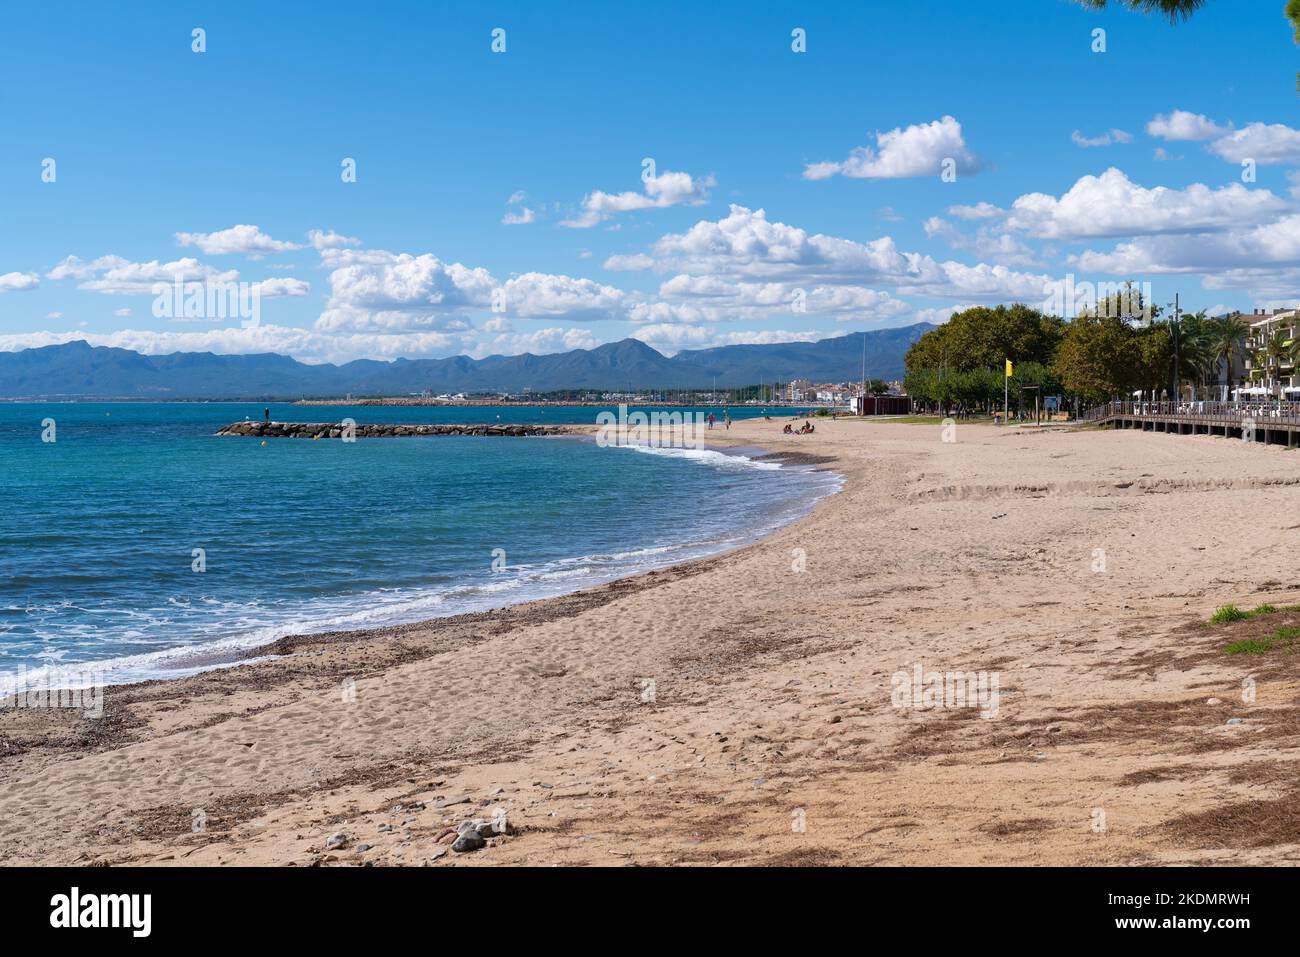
[
  {"x": 771, "y": 690},
  {"x": 469, "y": 597}
]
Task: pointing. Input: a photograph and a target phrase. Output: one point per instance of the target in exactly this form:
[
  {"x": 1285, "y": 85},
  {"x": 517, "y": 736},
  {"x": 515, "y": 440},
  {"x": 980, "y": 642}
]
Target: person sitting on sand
[{"x": 789, "y": 429}]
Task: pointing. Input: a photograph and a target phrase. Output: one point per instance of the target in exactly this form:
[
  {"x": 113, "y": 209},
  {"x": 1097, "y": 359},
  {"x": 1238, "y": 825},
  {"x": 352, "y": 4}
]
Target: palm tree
[
  {"x": 1175, "y": 10},
  {"x": 1193, "y": 350},
  {"x": 1225, "y": 340}
]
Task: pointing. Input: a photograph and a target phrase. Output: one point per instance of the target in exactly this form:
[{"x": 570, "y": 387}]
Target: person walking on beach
[
  {"x": 726, "y": 419},
  {"x": 712, "y": 419}
]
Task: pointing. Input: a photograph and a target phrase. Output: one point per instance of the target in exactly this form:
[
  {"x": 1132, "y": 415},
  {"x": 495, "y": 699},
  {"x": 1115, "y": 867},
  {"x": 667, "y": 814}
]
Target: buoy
[{"x": 264, "y": 441}]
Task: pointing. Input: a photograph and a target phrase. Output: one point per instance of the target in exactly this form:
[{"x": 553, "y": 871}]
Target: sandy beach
[{"x": 738, "y": 710}]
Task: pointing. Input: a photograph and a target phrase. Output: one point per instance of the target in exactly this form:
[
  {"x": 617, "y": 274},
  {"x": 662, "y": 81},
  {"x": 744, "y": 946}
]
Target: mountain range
[{"x": 78, "y": 370}]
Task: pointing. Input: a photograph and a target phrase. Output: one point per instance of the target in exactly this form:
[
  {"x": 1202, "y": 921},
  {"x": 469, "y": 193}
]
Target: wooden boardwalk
[{"x": 1267, "y": 426}]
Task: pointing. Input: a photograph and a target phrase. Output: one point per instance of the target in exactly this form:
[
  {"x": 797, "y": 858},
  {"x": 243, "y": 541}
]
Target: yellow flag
[{"x": 1010, "y": 370}]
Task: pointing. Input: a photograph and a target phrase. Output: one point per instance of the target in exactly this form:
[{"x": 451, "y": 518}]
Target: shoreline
[
  {"x": 681, "y": 716},
  {"x": 189, "y": 661}
]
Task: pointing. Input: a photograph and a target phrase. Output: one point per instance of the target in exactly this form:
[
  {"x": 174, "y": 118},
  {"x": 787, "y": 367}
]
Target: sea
[{"x": 136, "y": 543}]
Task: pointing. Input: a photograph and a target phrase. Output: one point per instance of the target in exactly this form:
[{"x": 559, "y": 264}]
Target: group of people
[
  {"x": 806, "y": 429},
  {"x": 726, "y": 419}
]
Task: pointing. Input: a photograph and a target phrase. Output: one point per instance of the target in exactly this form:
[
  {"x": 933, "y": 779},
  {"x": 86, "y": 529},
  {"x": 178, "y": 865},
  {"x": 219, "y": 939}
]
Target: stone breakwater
[{"x": 336, "y": 430}]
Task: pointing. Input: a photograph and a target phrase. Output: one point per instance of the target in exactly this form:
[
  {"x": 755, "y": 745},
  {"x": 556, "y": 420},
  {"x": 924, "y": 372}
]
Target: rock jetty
[{"x": 336, "y": 430}]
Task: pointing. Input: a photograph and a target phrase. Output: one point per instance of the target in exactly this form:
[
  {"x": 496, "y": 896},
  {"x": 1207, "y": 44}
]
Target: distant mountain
[{"x": 77, "y": 370}]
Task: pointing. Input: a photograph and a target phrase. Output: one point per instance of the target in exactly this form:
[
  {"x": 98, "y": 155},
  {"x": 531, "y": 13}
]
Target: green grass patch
[
  {"x": 1227, "y": 613},
  {"x": 1230, "y": 613},
  {"x": 1284, "y": 639}
]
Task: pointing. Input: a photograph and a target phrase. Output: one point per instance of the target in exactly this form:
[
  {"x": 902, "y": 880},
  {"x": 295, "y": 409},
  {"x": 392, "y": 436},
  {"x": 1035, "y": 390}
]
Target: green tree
[
  {"x": 1225, "y": 340},
  {"x": 1099, "y": 358},
  {"x": 984, "y": 337}
]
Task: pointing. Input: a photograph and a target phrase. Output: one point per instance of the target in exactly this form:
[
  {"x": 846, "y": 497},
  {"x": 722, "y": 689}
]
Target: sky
[{"x": 430, "y": 179}]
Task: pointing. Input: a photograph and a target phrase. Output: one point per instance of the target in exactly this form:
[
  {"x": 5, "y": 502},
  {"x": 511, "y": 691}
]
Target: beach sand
[{"x": 736, "y": 710}]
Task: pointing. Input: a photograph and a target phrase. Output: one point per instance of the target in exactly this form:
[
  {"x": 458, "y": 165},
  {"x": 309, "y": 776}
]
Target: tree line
[{"x": 1121, "y": 345}]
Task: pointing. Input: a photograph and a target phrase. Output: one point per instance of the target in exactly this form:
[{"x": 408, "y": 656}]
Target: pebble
[
  {"x": 1233, "y": 721},
  {"x": 362, "y": 848},
  {"x": 336, "y": 840},
  {"x": 1213, "y": 701}
]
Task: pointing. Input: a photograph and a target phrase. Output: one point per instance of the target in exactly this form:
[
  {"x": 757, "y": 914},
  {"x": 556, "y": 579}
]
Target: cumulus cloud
[
  {"x": 115, "y": 276},
  {"x": 323, "y": 239},
  {"x": 1182, "y": 125},
  {"x": 978, "y": 211},
  {"x": 1112, "y": 205},
  {"x": 688, "y": 299},
  {"x": 271, "y": 288},
  {"x": 746, "y": 246},
  {"x": 517, "y": 214},
  {"x": 1257, "y": 248},
  {"x": 1267, "y": 144},
  {"x": 1105, "y": 139},
  {"x": 538, "y": 342},
  {"x": 19, "y": 281},
  {"x": 918, "y": 150},
  {"x": 987, "y": 243},
  {"x": 536, "y": 295},
  {"x": 244, "y": 240},
  {"x": 375, "y": 290},
  {"x": 667, "y": 189},
  {"x": 629, "y": 263},
  {"x": 673, "y": 338}
]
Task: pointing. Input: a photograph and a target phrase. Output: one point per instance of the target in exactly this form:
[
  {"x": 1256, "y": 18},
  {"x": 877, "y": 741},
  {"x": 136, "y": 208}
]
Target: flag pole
[{"x": 1006, "y": 385}]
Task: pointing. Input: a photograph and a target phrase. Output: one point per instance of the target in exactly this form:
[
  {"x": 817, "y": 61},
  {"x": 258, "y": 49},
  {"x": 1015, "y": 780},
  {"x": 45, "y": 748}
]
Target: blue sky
[{"x": 793, "y": 195}]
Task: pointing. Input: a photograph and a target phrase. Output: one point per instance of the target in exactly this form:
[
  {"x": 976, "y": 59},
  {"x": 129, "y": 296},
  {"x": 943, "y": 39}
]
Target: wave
[{"x": 257, "y": 622}]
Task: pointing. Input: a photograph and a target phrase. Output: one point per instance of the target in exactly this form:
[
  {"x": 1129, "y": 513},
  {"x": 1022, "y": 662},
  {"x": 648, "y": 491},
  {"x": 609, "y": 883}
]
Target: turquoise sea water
[{"x": 99, "y": 528}]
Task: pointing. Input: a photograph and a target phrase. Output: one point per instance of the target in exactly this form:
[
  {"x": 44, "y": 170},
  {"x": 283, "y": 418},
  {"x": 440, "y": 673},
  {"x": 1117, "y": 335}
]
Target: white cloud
[
  {"x": 1257, "y": 248},
  {"x": 918, "y": 150},
  {"x": 121, "y": 313},
  {"x": 270, "y": 288},
  {"x": 321, "y": 240},
  {"x": 115, "y": 276},
  {"x": 667, "y": 189},
  {"x": 709, "y": 299},
  {"x": 746, "y": 246},
  {"x": 15, "y": 281},
  {"x": 539, "y": 342},
  {"x": 54, "y": 315},
  {"x": 629, "y": 263},
  {"x": 375, "y": 290},
  {"x": 542, "y": 295},
  {"x": 1112, "y": 205},
  {"x": 521, "y": 218},
  {"x": 1266, "y": 144},
  {"x": 978, "y": 211},
  {"x": 672, "y": 338},
  {"x": 242, "y": 240},
  {"x": 1105, "y": 139},
  {"x": 987, "y": 243},
  {"x": 1180, "y": 125}
]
